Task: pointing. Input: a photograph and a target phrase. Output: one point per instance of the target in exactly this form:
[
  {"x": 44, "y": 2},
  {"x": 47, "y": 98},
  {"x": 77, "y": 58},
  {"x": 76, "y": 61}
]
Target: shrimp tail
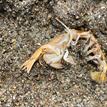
[{"x": 29, "y": 63}]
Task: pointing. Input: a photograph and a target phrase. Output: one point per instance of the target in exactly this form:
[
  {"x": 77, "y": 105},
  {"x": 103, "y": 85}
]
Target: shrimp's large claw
[{"x": 99, "y": 77}]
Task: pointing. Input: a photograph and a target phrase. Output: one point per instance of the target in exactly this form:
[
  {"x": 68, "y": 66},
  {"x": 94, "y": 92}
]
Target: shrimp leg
[{"x": 68, "y": 58}]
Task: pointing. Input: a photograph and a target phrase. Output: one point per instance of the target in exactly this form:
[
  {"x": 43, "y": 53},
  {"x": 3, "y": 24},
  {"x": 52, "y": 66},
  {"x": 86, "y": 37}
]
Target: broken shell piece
[{"x": 99, "y": 77}]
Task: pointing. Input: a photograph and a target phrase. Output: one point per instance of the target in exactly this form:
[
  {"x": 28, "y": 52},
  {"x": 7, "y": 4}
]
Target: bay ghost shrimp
[{"x": 54, "y": 51}]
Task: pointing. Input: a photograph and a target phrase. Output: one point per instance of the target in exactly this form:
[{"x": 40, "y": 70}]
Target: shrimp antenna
[{"x": 67, "y": 28}]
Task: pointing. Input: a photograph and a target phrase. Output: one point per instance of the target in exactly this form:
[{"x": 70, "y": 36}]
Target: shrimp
[{"x": 54, "y": 51}]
